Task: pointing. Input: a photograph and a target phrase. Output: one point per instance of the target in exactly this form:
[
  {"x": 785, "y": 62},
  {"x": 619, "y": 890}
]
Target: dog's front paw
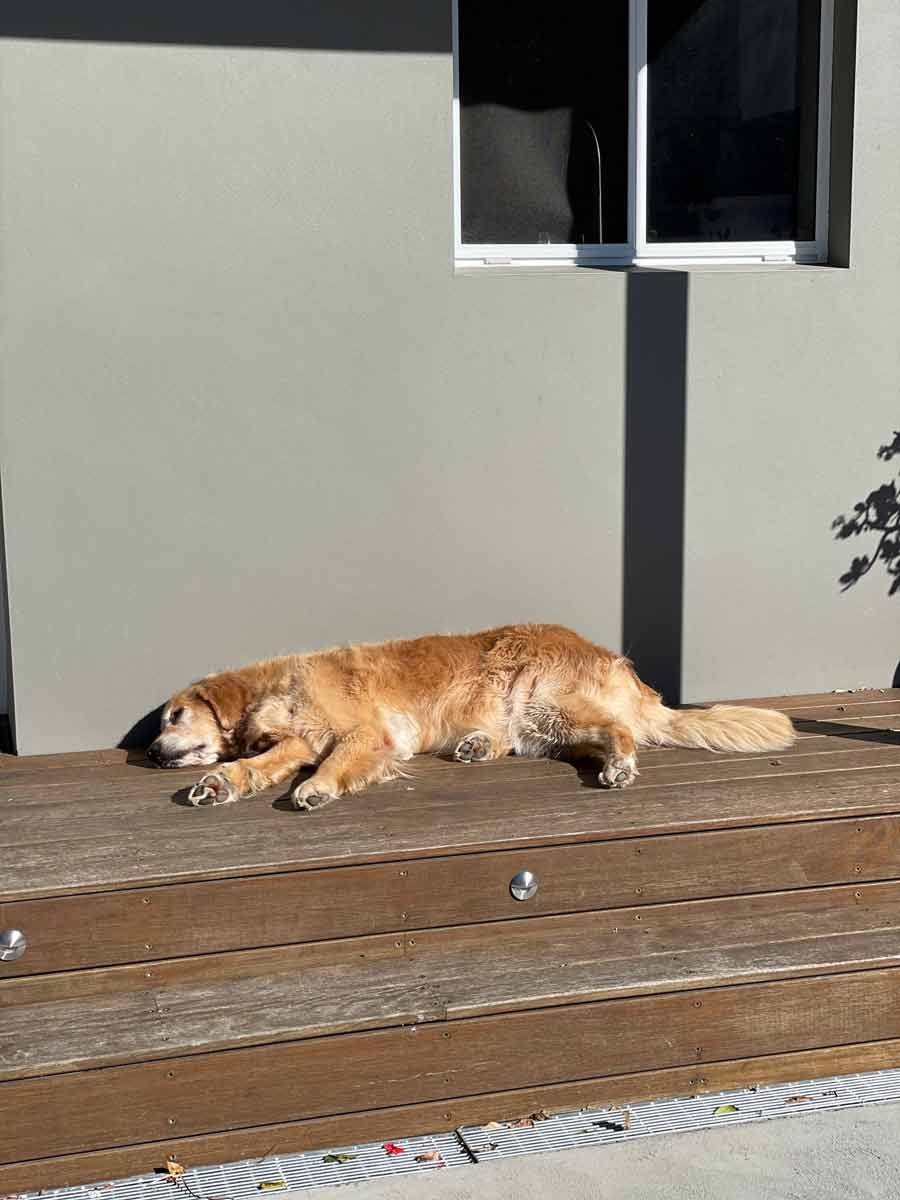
[
  {"x": 214, "y": 788},
  {"x": 619, "y": 772},
  {"x": 474, "y": 747},
  {"x": 310, "y": 795}
]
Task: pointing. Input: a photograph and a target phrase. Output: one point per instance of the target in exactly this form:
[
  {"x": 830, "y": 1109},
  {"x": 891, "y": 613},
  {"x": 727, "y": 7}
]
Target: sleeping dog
[{"x": 359, "y": 712}]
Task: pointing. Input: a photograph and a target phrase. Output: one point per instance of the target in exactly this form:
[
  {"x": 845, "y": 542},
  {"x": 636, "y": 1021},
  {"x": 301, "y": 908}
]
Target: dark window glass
[
  {"x": 543, "y": 94},
  {"x": 732, "y": 120}
]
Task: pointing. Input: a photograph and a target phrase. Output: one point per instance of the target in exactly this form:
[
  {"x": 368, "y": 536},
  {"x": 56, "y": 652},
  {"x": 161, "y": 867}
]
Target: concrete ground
[{"x": 848, "y": 1155}]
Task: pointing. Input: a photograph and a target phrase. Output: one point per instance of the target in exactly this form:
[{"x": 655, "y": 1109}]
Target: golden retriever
[{"x": 359, "y": 712}]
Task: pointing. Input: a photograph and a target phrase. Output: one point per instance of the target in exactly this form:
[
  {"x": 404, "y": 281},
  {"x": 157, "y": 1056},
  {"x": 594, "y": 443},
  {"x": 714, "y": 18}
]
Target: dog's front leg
[
  {"x": 360, "y": 757},
  {"x": 247, "y": 776}
]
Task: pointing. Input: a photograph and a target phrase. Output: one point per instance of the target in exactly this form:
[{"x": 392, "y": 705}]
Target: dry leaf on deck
[
  {"x": 626, "y": 1119},
  {"x": 798, "y": 1099},
  {"x": 271, "y": 1185},
  {"x": 430, "y": 1156},
  {"x": 393, "y": 1148},
  {"x": 493, "y": 1125},
  {"x": 338, "y": 1158},
  {"x": 525, "y": 1123},
  {"x": 173, "y": 1167},
  {"x": 725, "y": 1110}
]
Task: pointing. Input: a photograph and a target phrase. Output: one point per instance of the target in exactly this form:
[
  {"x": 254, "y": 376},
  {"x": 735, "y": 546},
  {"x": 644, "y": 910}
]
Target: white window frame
[{"x": 637, "y": 251}]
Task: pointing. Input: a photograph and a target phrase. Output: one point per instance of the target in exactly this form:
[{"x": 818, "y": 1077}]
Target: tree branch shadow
[{"x": 878, "y": 514}]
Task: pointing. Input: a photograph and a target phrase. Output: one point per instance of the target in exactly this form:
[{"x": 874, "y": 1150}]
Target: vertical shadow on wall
[
  {"x": 6, "y": 734},
  {"x": 655, "y": 423}
]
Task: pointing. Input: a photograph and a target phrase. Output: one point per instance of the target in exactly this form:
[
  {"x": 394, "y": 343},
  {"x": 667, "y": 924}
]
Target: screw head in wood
[
  {"x": 13, "y": 944},
  {"x": 523, "y": 886}
]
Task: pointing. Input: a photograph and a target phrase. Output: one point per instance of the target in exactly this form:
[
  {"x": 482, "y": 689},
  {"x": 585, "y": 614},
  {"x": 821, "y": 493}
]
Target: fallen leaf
[
  {"x": 831, "y": 1093},
  {"x": 798, "y": 1099},
  {"x": 493, "y": 1125},
  {"x": 487, "y": 1146},
  {"x": 431, "y": 1156},
  {"x": 524, "y": 1123},
  {"x": 626, "y": 1119},
  {"x": 338, "y": 1158},
  {"x": 612, "y": 1126},
  {"x": 271, "y": 1185},
  {"x": 173, "y": 1167},
  {"x": 540, "y": 1115},
  {"x": 776, "y": 762},
  {"x": 393, "y": 1148},
  {"x": 724, "y": 1110}
]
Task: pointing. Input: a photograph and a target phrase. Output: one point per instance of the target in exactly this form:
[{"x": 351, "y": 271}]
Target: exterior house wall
[{"x": 247, "y": 406}]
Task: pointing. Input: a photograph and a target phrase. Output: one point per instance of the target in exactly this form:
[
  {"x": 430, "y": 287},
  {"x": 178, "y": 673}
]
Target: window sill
[{"x": 469, "y": 267}]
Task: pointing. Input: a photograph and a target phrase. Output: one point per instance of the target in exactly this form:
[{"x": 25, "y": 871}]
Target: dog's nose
[{"x": 153, "y": 752}]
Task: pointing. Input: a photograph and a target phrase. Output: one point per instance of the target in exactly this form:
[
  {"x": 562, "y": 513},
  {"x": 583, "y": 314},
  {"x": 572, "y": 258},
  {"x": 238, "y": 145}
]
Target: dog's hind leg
[
  {"x": 591, "y": 731},
  {"x": 361, "y": 757},
  {"x": 247, "y": 776}
]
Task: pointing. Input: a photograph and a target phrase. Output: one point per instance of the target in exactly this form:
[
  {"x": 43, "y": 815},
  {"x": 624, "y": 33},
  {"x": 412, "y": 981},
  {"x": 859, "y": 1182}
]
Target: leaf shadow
[{"x": 877, "y": 515}]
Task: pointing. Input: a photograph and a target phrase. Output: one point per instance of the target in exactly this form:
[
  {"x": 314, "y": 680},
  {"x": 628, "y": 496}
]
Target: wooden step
[
  {"x": 191, "y": 918},
  {"x": 400, "y": 1121},
  {"x": 112, "y": 1017},
  {"x": 86, "y": 1110},
  {"x": 215, "y": 982},
  {"x": 130, "y": 834}
]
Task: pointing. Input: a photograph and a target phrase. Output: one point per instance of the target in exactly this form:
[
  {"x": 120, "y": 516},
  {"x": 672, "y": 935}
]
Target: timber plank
[
  {"x": 844, "y": 723},
  {"x": 714, "y": 770},
  {"x": 206, "y": 1093},
  {"x": 806, "y": 746},
  {"x": 459, "y": 972},
  {"x": 387, "y": 824},
  {"x": 817, "y": 699},
  {"x": 408, "y": 1121},
  {"x": 191, "y": 918}
]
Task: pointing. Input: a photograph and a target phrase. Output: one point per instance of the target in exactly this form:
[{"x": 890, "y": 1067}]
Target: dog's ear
[{"x": 227, "y": 695}]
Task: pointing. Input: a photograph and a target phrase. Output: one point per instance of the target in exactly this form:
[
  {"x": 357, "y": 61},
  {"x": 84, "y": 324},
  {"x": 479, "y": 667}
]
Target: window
[{"x": 646, "y": 131}]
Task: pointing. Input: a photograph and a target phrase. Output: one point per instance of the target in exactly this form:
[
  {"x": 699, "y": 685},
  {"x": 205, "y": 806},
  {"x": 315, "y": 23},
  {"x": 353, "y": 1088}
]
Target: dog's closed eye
[{"x": 175, "y": 717}]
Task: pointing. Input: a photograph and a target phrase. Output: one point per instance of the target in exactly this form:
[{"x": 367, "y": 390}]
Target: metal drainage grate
[
  {"x": 255, "y": 1177},
  {"x": 474, "y": 1144},
  {"x": 600, "y": 1127}
]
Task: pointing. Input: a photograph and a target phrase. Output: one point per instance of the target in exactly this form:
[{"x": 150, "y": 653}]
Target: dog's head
[{"x": 198, "y": 724}]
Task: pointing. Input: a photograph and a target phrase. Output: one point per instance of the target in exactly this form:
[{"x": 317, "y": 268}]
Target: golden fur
[{"x": 359, "y": 712}]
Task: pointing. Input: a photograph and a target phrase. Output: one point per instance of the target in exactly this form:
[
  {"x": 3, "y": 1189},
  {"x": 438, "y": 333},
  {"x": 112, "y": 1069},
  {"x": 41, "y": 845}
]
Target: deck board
[{"x": 160, "y": 842}]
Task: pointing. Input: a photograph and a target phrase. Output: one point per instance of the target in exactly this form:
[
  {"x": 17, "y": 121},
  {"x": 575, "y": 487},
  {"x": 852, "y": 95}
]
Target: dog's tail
[{"x": 720, "y": 727}]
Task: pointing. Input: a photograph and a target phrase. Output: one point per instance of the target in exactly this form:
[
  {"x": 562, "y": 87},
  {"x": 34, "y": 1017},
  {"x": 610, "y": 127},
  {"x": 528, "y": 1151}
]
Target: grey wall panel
[
  {"x": 247, "y": 406},
  {"x": 794, "y": 383}
]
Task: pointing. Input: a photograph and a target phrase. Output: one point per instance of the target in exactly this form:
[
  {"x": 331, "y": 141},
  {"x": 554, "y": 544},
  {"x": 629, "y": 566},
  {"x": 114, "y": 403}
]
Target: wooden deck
[{"x": 219, "y": 983}]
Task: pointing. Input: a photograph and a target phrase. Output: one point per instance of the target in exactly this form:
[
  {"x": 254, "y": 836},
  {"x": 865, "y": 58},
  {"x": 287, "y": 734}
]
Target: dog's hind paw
[
  {"x": 474, "y": 747},
  {"x": 619, "y": 772},
  {"x": 213, "y": 789},
  {"x": 306, "y": 797}
]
